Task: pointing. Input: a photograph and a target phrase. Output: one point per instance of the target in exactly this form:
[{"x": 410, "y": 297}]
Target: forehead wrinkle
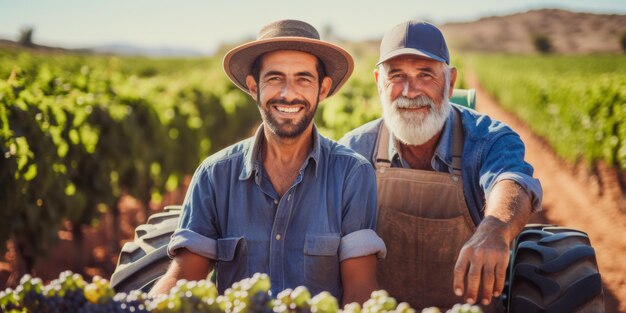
[
  {"x": 394, "y": 70},
  {"x": 426, "y": 69},
  {"x": 286, "y": 69},
  {"x": 305, "y": 73},
  {"x": 273, "y": 72},
  {"x": 288, "y": 56}
]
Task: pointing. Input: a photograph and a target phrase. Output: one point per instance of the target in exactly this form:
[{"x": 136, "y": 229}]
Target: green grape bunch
[{"x": 71, "y": 293}]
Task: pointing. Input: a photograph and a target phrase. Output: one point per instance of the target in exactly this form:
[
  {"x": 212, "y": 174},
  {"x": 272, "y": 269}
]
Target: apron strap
[
  {"x": 457, "y": 142},
  {"x": 381, "y": 150}
]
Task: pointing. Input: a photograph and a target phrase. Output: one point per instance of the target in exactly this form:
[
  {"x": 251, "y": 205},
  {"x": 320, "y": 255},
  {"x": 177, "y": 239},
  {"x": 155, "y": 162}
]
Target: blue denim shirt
[
  {"x": 492, "y": 152},
  {"x": 233, "y": 215}
]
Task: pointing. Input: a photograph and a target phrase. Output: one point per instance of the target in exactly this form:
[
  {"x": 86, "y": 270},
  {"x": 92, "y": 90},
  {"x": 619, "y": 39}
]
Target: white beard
[{"x": 414, "y": 128}]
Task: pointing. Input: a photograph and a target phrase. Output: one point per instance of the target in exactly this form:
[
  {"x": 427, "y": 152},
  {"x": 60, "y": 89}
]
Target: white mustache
[{"x": 414, "y": 103}]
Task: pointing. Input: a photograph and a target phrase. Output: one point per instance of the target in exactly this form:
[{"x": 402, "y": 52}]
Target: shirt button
[
  {"x": 278, "y": 237},
  {"x": 275, "y": 201}
]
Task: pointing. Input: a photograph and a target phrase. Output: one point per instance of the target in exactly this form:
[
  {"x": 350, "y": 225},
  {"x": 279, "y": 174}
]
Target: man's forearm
[
  {"x": 186, "y": 265},
  {"x": 507, "y": 210},
  {"x": 163, "y": 285},
  {"x": 358, "y": 277}
]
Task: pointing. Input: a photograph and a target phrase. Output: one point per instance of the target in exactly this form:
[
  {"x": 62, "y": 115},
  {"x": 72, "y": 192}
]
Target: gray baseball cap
[{"x": 416, "y": 38}]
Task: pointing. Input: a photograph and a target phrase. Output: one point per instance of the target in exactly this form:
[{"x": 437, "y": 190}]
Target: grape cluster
[
  {"x": 187, "y": 296},
  {"x": 296, "y": 300},
  {"x": 457, "y": 308},
  {"x": 71, "y": 293},
  {"x": 465, "y": 308}
]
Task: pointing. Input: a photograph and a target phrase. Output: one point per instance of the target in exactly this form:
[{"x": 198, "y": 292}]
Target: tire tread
[
  {"x": 143, "y": 260},
  {"x": 554, "y": 269}
]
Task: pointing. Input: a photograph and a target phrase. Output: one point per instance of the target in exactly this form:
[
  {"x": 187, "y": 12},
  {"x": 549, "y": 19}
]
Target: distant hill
[
  {"x": 4, "y": 43},
  {"x": 117, "y": 49},
  {"x": 568, "y": 32},
  {"x": 129, "y": 49}
]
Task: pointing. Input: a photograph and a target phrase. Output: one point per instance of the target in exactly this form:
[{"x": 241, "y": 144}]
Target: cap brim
[
  {"x": 338, "y": 63},
  {"x": 409, "y": 51}
]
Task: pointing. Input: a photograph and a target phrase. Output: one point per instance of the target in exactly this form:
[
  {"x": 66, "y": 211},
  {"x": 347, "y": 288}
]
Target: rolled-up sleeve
[
  {"x": 194, "y": 242},
  {"x": 361, "y": 243},
  {"x": 504, "y": 160},
  {"x": 359, "y": 215},
  {"x": 197, "y": 231}
]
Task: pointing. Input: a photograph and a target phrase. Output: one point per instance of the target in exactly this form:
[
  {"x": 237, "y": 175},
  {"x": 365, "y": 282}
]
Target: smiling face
[
  {"x": 414, "y": 95},
  {"x": 288, "y": 91}
]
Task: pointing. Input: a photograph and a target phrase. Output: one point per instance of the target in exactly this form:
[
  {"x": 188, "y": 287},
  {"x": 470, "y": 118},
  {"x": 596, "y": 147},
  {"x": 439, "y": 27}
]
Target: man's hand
[{"x": 483, "y": 260}]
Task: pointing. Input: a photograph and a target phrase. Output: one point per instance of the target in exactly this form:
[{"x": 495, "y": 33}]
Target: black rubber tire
[
  {"x": 144, "y": 260},
  {"x": 553, "y": 270}
]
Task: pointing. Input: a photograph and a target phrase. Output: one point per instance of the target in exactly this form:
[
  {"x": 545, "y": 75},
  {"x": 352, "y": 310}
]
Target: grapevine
[
  {"x": 577, "y": 103},
  {"x": 77, "y": 132}
]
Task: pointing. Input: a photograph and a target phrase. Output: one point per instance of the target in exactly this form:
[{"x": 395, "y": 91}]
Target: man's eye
[{"x": 396, "y": 77}]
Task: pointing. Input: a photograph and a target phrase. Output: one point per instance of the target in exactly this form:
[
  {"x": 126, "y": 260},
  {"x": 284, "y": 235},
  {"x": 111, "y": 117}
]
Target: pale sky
[{"x": 203, "y": 24}]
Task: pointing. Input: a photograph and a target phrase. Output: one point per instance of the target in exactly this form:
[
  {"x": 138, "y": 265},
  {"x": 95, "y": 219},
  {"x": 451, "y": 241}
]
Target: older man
[
  {"x": 453, "y": 187},
  {"x": 287, "y": 202}
]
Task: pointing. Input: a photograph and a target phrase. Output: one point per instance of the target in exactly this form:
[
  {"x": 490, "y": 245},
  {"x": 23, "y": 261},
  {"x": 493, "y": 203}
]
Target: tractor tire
[
  {"x": 144, "y": 260},
  {"x": 553, "y": 269}
]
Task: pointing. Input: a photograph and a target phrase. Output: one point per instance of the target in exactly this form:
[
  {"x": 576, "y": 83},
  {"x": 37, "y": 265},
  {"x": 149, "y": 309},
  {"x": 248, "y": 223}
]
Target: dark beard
[{"x": 288, "y": 129}]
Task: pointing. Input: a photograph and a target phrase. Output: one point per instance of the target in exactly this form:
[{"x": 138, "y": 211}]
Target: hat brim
[
  {"x": 409, "y": 51},
  {"x": 338, "y": 63}
]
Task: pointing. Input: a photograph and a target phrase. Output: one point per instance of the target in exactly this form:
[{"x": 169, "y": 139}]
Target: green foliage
[
  {"x": 356, "y": 103},
  {"x": 577, "y": 103},
  {"x": 77, "y": 131},
  {"x": 459, "y": 63},
  {"x": 71, "y": 293}
]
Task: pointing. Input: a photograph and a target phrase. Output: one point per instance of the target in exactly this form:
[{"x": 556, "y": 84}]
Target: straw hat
[{"x": 289, "y": 35}]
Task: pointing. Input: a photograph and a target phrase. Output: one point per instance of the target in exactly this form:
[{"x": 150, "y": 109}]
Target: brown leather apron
[{"x": 424, "y": 221}]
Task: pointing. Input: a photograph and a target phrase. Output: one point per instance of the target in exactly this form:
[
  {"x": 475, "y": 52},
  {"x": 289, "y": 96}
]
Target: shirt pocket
[
  {"x": 232, "y": 261},
  {"x": 321, "y": 263}
]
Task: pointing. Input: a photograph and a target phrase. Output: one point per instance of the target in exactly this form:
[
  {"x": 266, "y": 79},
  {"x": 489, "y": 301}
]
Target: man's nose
[
  {"x": 412, "y": 88},
  {"x": 288, "y": 90}
]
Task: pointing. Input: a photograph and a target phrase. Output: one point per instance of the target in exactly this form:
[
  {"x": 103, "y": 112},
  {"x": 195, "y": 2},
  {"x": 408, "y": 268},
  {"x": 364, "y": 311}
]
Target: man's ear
[
  {"x": 453, "y": 73},
  {"x": 253, "y": 87},
  {"x": 327, "y": 82},
  {"x": 376, "y": 79}
]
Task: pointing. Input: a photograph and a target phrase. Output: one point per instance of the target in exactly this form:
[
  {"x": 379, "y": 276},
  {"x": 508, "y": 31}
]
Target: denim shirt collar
[
  {"x": 443, "y": 152},
  {"x": 252, "y": 157}
]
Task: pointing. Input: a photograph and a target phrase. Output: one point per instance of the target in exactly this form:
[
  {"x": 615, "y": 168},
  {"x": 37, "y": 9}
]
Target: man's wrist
[{"x": 494, "y": 226}]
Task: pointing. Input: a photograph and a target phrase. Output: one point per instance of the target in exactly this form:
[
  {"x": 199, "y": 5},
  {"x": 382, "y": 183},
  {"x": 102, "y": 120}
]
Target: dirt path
[{"x": 574, "y": 201}]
